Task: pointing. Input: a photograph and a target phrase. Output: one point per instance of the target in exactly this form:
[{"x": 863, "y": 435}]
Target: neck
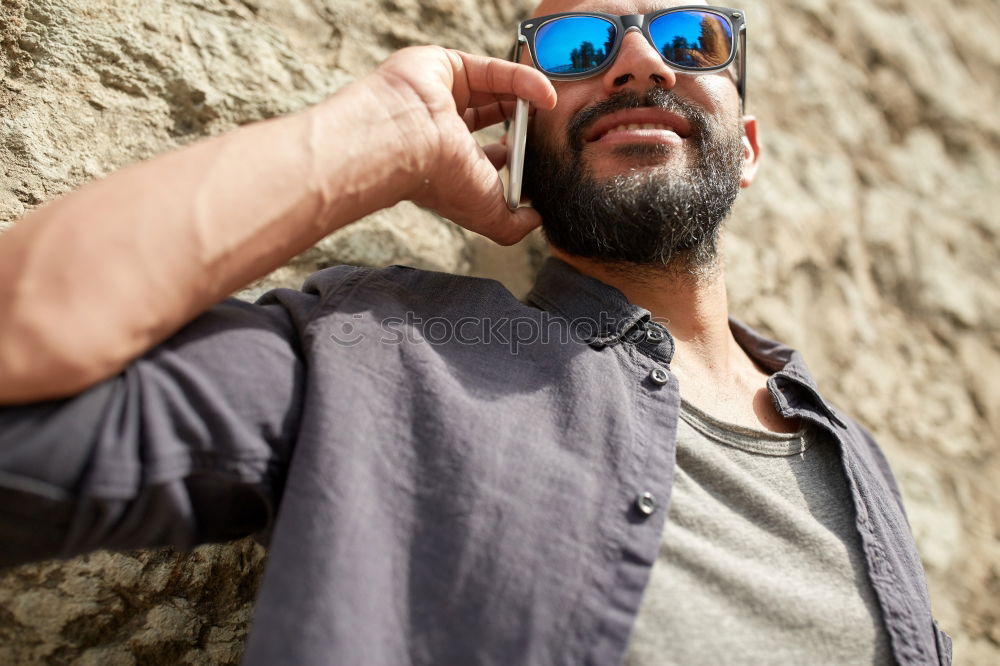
[
  {"x": 713, "y": 371},
  {"x": 693, "y": 305}
]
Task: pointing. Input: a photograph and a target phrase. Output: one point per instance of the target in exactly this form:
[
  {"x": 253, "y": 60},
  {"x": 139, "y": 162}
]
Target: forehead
[{"x": 619, "y": 7}]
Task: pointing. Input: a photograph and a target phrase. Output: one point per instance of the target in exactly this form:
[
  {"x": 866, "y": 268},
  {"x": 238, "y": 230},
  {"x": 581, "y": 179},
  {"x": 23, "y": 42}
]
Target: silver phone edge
[{"x": 516, "y": 141}]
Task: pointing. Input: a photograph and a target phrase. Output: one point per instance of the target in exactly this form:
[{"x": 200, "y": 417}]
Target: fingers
[
  {"x": 500, "y": 77},
  {"x": 473, "y": 197},
  {"x": 495, "y": 220},
  {"x": 460, "y": 180},
  {"x": 496, "y": 154},
  {"x": 476, "y": 118}
]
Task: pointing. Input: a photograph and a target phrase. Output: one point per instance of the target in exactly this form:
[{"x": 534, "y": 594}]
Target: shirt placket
[{"x": 643, "y": 493}]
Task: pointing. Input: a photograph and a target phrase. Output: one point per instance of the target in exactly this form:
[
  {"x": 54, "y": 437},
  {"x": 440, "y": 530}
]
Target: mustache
[{"x": 655, "y": 97}]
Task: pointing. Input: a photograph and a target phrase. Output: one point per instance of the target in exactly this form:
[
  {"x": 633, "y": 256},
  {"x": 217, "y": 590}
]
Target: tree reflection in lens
[
  {"x": 710, "y": 46},
  {"x": 569, "y": 45}
]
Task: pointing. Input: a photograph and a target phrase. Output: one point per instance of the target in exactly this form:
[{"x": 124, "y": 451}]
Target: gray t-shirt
[{"x": 760, "y": 561}]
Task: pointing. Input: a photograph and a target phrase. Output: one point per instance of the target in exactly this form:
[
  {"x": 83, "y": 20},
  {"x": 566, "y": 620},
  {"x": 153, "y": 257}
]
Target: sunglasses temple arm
[
  {"x": 743, "y": 70},
  {"x": 521, "y": 42}
]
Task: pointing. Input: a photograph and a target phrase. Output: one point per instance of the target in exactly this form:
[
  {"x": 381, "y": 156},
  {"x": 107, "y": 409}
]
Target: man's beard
[{"x": 651, "y": 216}]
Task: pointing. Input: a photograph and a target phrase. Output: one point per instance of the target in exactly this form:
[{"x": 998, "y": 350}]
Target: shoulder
[
  {"x": 402, "y": 288},
  {"x": 372, "y": 317}
]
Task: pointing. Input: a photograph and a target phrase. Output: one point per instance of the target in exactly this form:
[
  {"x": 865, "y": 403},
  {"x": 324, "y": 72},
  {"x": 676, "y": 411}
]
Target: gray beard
[{"x": 647, "y": 218}]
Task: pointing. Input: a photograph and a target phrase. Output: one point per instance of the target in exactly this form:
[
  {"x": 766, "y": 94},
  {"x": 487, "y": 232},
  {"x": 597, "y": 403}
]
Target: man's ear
[{"x": 751, "y": 150}]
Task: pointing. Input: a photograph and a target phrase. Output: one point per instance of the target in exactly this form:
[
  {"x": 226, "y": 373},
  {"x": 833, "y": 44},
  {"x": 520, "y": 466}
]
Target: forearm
[
  {"x": 92, "y": 280},
  {"x": 96, "y": 278}
]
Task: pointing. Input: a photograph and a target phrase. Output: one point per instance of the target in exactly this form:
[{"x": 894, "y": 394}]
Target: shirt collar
[
  {"x": 604, "y": 316},
  {"x": 791, "y": 383},
  {"x": 599, "y": 311}
]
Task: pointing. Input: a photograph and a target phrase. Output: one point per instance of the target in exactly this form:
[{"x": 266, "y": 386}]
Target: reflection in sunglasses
[
  {"x": 567, "y": 46},
  {"x": 707, "y": 44}
]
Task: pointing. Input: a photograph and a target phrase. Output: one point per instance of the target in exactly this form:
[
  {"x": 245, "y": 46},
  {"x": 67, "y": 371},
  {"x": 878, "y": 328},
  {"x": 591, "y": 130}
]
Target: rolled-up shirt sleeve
[{"x": 189, "y": 444}]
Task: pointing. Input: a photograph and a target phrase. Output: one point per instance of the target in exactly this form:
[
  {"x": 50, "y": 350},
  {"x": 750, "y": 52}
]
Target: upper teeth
[{"x": 635, "y": 126}]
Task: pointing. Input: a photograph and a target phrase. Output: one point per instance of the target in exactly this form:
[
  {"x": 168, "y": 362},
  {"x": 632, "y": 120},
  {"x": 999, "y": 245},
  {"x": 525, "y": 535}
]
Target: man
[{"x": 638, "y": 478}]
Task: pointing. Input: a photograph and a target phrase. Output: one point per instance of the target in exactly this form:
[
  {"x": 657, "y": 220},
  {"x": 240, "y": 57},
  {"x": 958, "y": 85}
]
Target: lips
[{"x": 638, "y": 119}]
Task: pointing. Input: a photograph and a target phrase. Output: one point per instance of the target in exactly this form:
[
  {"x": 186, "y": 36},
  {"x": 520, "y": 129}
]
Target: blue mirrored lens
[
  {"x": 574, "y": 44},
  {"x": 693, "y": 39}
]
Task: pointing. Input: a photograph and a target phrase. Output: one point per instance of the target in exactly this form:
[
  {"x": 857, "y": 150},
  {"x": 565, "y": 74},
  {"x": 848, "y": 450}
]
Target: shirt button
[
  {"x": 654, "y": 335},
  {"x": 659, "y": 376},
  {"x": 645, "y": 504}
]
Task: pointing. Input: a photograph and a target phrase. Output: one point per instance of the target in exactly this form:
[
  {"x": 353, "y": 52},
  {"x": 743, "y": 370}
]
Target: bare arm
[{"x": 92, "y": 280}]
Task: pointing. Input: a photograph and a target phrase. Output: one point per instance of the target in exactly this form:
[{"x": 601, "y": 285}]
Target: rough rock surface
[{"x": 870, "y": 242}]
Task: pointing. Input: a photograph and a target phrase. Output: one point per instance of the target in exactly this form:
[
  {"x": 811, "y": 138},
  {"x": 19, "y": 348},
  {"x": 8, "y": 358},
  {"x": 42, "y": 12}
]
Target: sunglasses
[{"x": 578, "y": 45}]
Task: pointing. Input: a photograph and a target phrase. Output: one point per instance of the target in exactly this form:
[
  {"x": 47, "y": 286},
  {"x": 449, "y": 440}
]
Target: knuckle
[
  {"x": 516, "y": 77},
  {"x": 455, "y": 57},
  {"x": 492, "y": 76},
  {"x": 410, "y": 52}
]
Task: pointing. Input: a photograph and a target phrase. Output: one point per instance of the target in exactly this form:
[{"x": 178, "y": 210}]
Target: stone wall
[{"x": 870, "y": 242}]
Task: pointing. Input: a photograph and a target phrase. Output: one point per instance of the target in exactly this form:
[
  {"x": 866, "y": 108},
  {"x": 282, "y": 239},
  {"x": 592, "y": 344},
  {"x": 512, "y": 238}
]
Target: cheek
[
  {"x": 552, "y": 125},
  {"x": 549, "y": 127},
  {"x": 716, "y": 99},
  {"x": 716, "y": 93}
]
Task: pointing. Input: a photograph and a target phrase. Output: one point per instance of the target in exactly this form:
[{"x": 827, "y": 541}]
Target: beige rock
[{"x": 106, "y": 656}]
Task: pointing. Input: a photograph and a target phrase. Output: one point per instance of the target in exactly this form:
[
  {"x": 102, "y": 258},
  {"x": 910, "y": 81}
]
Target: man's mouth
[{"x": 640, "y": 125}]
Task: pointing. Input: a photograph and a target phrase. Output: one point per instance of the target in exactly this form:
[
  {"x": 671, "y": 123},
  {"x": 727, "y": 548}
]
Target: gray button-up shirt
[{"x": 446, "y": 475}]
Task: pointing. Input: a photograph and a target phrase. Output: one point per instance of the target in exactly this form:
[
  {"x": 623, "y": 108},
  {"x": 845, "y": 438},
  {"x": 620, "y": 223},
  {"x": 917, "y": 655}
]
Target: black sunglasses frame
[{"x": 528, "y": 29}]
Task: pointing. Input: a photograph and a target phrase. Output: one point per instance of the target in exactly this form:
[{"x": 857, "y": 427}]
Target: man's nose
[{"x": 638, "y": 66}]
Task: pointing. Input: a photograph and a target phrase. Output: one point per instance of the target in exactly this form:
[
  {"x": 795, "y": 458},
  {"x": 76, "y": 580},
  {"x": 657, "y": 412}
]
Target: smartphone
[{"x": 517, "y": 137}]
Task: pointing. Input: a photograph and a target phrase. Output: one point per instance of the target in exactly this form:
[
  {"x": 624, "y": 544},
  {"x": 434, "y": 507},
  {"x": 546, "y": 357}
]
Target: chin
[
  {"x": 656, "y": 151},
  {"x": 639, "y": 159}
]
